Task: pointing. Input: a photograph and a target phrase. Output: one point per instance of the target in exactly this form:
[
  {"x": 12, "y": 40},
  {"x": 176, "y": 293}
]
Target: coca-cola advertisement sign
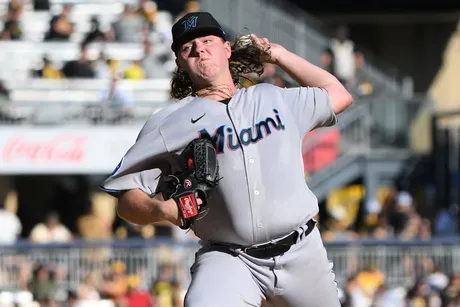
[
  {"x": 64, "y": 150},
  {"x": 57, "y": 149}
]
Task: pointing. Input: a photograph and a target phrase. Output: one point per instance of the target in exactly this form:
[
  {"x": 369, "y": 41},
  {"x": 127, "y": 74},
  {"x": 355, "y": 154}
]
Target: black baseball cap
[{"x": 194, "y": 25}]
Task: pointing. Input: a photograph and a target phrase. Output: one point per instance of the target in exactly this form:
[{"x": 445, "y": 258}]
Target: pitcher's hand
[{"x": 272, "y": 51}]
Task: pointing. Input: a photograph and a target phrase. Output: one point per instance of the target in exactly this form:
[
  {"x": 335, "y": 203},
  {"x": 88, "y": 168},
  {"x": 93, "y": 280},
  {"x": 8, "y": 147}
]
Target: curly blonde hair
[{"x": 246, "y": 59}]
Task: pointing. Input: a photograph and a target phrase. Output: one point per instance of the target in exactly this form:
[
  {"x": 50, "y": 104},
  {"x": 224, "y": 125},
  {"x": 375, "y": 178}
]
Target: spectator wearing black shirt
[
  {"x": 60, "y": 26},
  {"x": 95, "y": 34},
  {"x": 80, "y": 68}
]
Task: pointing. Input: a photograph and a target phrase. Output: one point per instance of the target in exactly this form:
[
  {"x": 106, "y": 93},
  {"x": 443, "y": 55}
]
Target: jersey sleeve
[
  {"x": 311, "y": 107},
  {"x": 144, "y": 162},
  {"x": 141, "y": 166}
]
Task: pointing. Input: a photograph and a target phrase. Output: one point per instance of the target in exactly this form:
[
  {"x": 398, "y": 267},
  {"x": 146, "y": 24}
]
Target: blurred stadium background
[{"x": 78, "y": 78}]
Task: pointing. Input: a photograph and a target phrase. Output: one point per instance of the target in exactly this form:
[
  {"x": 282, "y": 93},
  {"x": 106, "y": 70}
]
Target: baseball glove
[{"x": 199, "y": 176}]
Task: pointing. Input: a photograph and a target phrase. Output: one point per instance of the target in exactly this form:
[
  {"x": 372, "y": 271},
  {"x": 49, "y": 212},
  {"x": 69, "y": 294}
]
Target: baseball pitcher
[{"x": 226, "y": 162}]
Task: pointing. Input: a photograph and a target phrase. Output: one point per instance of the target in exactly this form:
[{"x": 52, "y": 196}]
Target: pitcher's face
[{"x": 205, "y": 59}]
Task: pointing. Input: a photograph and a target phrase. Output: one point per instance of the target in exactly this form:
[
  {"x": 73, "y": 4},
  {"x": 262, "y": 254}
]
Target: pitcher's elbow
[
  {"x": 348, "y": 100},
  {"x": 343, "y": 102}
]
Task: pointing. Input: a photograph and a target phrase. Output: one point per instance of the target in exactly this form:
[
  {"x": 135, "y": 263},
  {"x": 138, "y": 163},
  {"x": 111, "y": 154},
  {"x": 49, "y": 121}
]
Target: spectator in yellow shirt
[
  {"x": 370, "y": 279},
  {"x": 51, "y": 72},
  {"x": 134, "y": 71},
  {"x": 48, "y": 70}
]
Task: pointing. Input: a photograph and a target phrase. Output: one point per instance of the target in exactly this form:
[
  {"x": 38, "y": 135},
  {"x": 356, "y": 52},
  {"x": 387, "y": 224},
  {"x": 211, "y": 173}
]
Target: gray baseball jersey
[{"x": 258, "y": 136}]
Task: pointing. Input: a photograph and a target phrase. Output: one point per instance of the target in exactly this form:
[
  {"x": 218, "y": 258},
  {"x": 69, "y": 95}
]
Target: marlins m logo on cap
[
  {"x": 190, "y": 23},
  {"x": 194, "y": 25}
]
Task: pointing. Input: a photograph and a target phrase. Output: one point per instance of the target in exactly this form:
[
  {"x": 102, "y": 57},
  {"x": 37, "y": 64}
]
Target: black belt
[{"x": 270, "y": 250}]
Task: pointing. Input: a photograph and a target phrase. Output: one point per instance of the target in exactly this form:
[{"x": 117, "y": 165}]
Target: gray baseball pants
[{"x": 302, "y": 277}]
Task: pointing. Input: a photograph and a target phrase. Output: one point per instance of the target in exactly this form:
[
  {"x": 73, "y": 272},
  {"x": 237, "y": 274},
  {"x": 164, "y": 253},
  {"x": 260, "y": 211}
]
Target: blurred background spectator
[
  {"x": 131, "y": 26},
  {"x": 152, "y": 62},
  {"x": 48, "y": 70},
  {"x": 134, "y": 71},
  {"x": 12, "y": 26},
  {"x": 95, "y": 33},
  {"x": 60, "y": 27},
  {"x": 80, "y": 68},
  {"x": 343, "y": 53},
  {"x": 344, "y": 60},
  {"x": 51, "y": 230},
  {"x": 10, "y": 226}
]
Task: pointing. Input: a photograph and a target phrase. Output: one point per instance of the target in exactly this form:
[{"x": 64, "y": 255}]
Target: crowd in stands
[
  {"x": 394, "y": 214},
  {"x": 368, "y": 288},
  {"x": 137, "y": 24},
  {"x": 113, "y": 278},
  {"x": 105, "y": 276},
  {"x": 134, "y": 25},
  {"x": 111, "y": 285}
]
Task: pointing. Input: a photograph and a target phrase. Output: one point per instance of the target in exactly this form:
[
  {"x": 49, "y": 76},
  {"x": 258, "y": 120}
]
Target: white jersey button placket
[{"x": 256, "y": 193}]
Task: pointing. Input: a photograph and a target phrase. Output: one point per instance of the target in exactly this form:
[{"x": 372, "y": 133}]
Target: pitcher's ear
[{"x": 228, "y": 49}]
